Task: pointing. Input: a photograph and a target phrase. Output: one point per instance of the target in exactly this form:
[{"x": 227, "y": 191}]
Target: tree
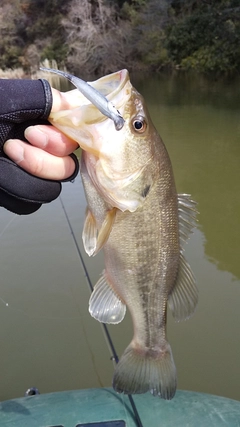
[
  {"x": 97, "y": 39},
  {"x": 207, "y": 39},
  {"x": 149, "y": 33},
  {"x": 12, "y": 21},
  {"x": 44, "y": 32}
]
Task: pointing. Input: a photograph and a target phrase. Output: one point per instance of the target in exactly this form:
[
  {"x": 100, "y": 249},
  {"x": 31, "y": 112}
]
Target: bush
[{"x": 208, "y": 40}]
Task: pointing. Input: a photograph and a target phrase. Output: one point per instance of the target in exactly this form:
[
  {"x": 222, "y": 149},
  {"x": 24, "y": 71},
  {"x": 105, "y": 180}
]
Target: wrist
[{"x": 48, "y": 98}]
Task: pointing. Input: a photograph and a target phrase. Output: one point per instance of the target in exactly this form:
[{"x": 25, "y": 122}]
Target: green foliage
[
  {"x": 148, "y": 20},
  {"x": 45, "y": 28},
  {"x": 11, "y": 19},
  {"x": 208, "y": 39},
  {"x": 100, "y": 36},
  {"x": 55, "y": 51},
  {"x": 10, "y": 58},
  {"x": 31, "y": 30},
  {"x": 156, "y": 57}
]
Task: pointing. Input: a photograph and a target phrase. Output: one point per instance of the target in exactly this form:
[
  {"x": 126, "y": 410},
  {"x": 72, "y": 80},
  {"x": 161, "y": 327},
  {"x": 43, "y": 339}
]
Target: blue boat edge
[{"x": 76, "y": 407}]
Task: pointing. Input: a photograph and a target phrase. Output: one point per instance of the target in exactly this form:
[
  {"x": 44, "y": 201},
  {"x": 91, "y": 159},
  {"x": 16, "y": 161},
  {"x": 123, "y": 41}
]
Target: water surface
[{"x": 48, "y": 338}]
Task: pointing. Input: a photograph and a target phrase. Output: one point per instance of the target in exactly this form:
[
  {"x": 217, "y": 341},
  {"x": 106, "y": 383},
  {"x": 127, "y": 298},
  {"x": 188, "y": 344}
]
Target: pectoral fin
[
  {"x": 89, "y": 234},
  {"x": 183, "y": 299},
  {"x": 104, "y": 305},
  {"x": 94, "y": 239}
]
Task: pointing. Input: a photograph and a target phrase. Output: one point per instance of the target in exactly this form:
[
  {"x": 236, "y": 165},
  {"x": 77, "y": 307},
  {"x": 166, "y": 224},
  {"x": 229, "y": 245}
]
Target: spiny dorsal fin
[
  {"x": 94, "y": 239},
  {"x": 187, "y": 213},
  {"x": 104, "y": 305},
  {"x": 183, "y": 299}
]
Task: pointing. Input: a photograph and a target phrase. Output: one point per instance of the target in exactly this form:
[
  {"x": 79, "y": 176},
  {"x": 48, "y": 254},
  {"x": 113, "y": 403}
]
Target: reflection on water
[{"x": 49, "y": 339}]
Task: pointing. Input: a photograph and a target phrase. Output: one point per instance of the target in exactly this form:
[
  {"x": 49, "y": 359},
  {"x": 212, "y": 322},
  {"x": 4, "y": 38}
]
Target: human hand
[
  {"x": 35, "y": 158},
  {"x": 48, "y": 155}
]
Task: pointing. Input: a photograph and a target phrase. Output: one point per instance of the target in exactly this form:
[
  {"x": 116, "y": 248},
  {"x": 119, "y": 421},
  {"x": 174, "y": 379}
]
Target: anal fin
[
  {"x": 183, "y": 299},
  {"x": 104, "y": 304}
]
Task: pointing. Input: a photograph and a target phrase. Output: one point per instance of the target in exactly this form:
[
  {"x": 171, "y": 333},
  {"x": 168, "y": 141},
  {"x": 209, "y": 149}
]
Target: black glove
[{"x": 24, "y": 103}]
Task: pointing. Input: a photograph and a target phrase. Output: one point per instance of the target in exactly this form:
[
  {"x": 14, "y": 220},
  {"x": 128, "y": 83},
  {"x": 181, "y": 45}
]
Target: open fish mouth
[
  {"x": 95, "y": 106},
  {"x": 101, "y": 93}
]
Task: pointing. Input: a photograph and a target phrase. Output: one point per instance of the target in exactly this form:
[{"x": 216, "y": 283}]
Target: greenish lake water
[{"x": 48, "y": 338}]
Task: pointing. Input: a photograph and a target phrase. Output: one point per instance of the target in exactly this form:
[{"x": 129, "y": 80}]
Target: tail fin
[{"x": 141, "y": 370}]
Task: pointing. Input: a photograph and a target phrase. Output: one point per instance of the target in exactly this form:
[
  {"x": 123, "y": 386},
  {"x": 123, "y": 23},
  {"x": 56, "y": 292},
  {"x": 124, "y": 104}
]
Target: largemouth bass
[{"x": 136, "y": 216}]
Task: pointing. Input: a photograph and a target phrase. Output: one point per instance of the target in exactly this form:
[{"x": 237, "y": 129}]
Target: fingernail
[
  {"x": 14, "y": 150},
  {"x": 36, "y": 136}
]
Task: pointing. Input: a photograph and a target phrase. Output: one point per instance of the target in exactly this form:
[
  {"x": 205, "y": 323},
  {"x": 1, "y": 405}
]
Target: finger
[
  {"x": 38, "y": 162},
  {"x": 50, "y": 139},
  {"x": 66, "y": 100}
]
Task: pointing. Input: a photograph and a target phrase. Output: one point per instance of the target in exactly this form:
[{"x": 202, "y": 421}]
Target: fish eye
[{"x": 139, "y": 124}]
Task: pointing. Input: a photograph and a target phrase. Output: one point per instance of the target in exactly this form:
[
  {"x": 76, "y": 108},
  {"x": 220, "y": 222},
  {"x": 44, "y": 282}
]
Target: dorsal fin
[
  {"x": 183, "y": 299},
  {"x": 187, "y": 213}
]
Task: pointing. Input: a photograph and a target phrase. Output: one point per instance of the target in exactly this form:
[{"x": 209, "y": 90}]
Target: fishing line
[
  {"x": 7, "y": 225},
  {"x": 3, "y": 231},
  {"x": 107, "y": 335},
  {"x": 4, "y": 302}
]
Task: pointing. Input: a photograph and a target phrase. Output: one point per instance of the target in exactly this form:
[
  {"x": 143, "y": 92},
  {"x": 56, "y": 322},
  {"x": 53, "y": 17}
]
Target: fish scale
[{"x": 136, "y": 217}]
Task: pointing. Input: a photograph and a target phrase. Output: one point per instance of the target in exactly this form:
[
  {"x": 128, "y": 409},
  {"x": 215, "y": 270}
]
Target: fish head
[{"x": 119, "y": 162}]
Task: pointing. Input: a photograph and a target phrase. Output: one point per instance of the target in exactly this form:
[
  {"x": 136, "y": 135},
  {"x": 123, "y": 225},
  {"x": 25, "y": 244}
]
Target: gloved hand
[{"x": 24, "y": 103}]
